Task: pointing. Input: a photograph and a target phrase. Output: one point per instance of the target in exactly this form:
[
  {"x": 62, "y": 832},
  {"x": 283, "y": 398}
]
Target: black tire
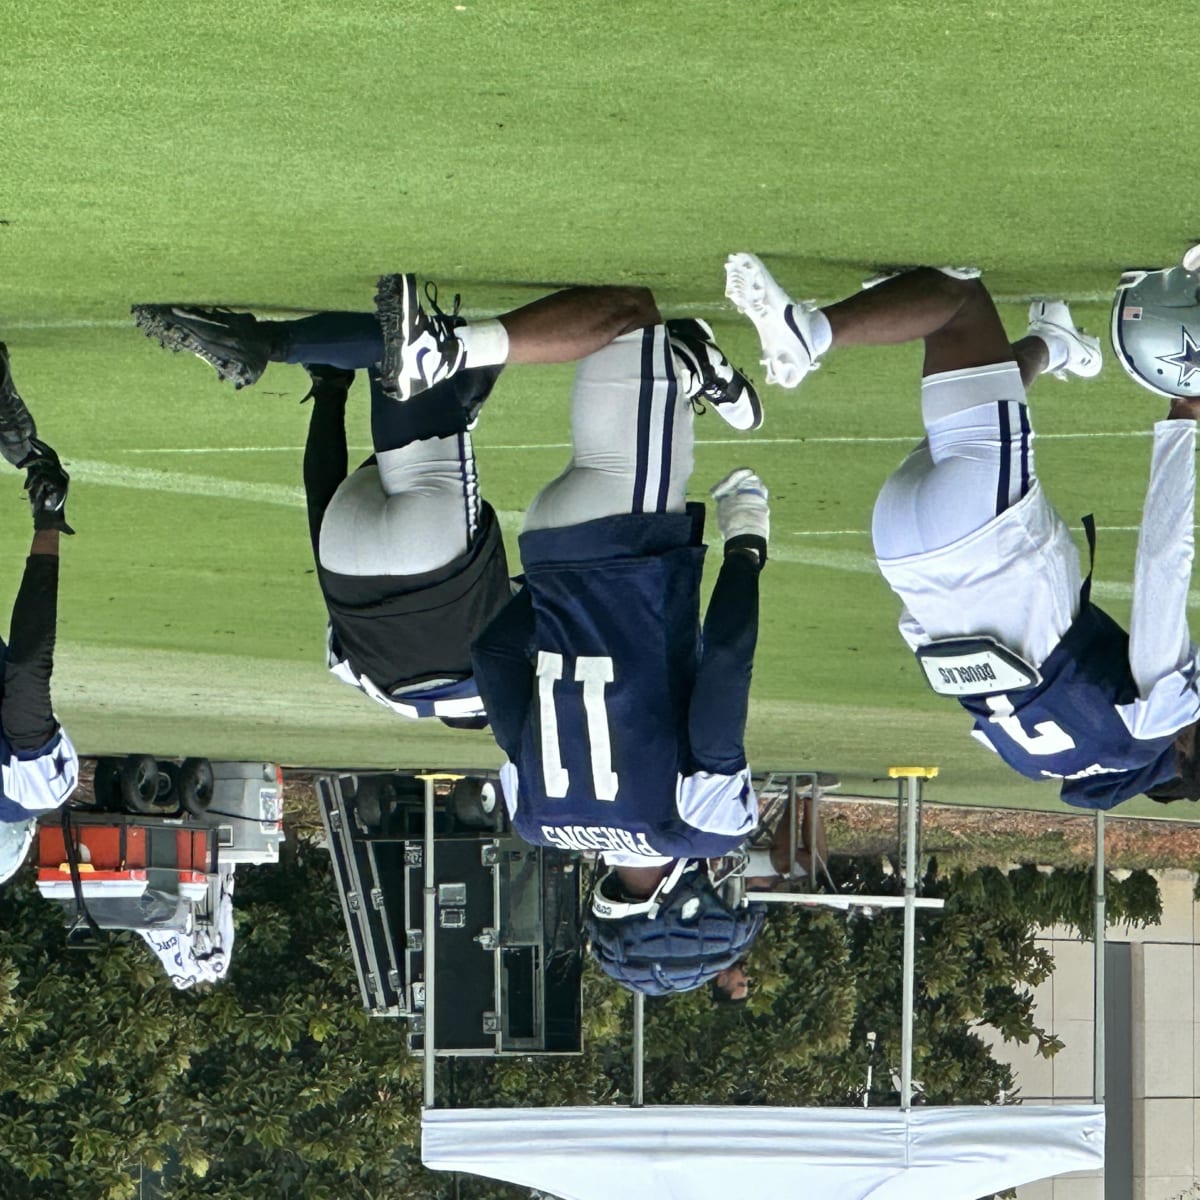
[
  {"x": 168, "y": 786},
  {"x": 106, "y": 784},
  {"x": 195, "y": 787},
  {"x": 475, "y": 803},
  {"x": 166, "y": 781},
  {"x": 368, "y": 803},
  {"x": 139, "y": 783}
]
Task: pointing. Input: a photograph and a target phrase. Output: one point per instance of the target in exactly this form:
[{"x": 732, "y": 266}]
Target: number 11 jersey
[{"x": 587, "y": 678}]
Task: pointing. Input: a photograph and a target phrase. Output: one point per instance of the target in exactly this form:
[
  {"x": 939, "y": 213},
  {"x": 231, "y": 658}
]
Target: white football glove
[{"x": 742, "y": 508}]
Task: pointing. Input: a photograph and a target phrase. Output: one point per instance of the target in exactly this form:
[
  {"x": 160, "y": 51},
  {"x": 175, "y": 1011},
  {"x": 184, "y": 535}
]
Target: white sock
[
  {"x": 484, "y": 342},
  {"x": 1057, "y": 348},
  {"x": 822, "y": 333}
]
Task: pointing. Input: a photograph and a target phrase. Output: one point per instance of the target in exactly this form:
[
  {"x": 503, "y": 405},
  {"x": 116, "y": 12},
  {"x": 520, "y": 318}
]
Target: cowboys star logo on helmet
[
  {"x": 1156, "y": 330},
  {"x": 1188, "y": 358}
]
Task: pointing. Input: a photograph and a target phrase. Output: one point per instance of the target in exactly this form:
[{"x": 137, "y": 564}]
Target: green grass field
[{"x": 280, "y": 156}]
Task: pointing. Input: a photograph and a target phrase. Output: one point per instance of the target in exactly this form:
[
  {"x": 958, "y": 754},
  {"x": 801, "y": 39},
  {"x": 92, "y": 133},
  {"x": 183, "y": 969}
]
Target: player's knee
[
  {"x": 965, "y": 292},
  {"x": 635, "y": 307}
]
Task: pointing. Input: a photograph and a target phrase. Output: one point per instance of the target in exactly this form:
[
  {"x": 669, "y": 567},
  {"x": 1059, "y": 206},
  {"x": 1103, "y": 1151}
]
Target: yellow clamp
[{"x": 911, "y": 772}]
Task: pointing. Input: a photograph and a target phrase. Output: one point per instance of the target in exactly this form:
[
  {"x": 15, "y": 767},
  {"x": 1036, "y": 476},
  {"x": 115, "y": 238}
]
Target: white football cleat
[
  {"x": 742, "y": 508},
  {"x": 710, "y": 377},
  {"x": 1052, "y": 319},
  {"x": 784, "y": 325}
]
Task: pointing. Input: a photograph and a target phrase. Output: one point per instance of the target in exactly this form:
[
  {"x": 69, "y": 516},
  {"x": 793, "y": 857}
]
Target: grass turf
[{"x": 281, "y": 155}]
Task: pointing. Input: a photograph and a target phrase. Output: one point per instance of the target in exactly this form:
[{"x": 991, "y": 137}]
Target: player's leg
[
  {"x": 571, "y": 324},
  {"x": 26, "y": 713},
  {"x": 631, "y": 436},
  {"x": 976, "y": 461},
  {"x": 416, "y": 507},
  {"x": 948, "y": 308},
  {"x": 325, "y": 452},
  {"x": 26, "y": 710},
  {"x": 978, "y": 456},
  {"x": 720, "y": 701},
  {"x": 239, "y": 346},
  {"x": 414, "y": 510},
  {"x": 423, "y": 347},
  {"x": 954, "y": 316}
]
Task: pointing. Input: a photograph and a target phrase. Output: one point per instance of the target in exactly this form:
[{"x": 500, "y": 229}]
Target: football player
[
  {"x": 996, "y": 605},
  {"x": 39, "y": 768},
  {"x": 623, "y": 723},
  {"x": 410, "y": 558}
]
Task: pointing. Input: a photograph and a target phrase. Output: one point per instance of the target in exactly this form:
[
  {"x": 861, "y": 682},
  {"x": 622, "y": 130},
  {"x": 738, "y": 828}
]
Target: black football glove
[
  {"x": 47, "y": 483},
  {"x": 328, "y": 383}
]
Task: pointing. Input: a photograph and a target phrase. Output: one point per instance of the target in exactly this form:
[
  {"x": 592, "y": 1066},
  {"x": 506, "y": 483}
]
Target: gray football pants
[
  {"x": 416, "y": 509},
  {"x": 631, "y": 437}
]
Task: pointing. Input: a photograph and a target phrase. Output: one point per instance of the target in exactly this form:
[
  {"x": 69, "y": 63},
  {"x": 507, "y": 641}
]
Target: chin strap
[{"x": 650, "y": 906}]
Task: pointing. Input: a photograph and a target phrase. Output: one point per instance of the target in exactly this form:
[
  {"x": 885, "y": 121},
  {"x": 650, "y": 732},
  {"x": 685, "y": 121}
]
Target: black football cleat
[
  {"x": 419, "y": 348},
  {"x": 230, "y": 342},
  {"x": 709, "y": 378},
  {"x": 17, "y": 427}
]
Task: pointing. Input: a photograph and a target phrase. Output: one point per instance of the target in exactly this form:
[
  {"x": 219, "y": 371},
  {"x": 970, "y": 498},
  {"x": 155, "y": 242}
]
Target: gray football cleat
[
  {"x": 17, "y": 427},
  {"x": 419, "y": 347}
]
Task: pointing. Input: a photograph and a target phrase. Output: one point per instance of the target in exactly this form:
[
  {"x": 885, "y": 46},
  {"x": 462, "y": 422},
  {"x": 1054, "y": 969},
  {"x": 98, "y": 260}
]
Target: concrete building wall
[{"x": 1164, "y": 1048}]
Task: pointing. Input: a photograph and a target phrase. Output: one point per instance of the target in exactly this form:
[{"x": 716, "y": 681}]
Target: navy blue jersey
[
  {"x": 587, "y": 680},
  {"x": 1068, "y": 727}
]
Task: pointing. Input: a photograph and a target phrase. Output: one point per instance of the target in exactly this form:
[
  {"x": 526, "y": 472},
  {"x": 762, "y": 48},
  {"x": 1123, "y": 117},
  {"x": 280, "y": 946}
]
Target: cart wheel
[
  {"x": 473, "y": 803},
  {"x": 196, "y": 785},
  {"x": 139, "y": 783},
  {"x": 106, "y": 783},
  {"x": 168, "y": 786}
]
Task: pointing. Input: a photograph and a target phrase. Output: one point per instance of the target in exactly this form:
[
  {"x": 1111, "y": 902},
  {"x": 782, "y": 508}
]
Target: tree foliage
[{"x": 275, "y": 1083}]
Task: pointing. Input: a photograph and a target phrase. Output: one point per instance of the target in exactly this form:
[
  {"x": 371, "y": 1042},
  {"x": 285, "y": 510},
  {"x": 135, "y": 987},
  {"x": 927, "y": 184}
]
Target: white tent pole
[
  {"x": 910, "y": 938},
  {"x": 1099, "y": 926},
  {"x": 793, "y": 813},
  {"x": 430, "y": 896},
  {"x": 914, "y": 777},
  {"x": 639, "y": 1050}
]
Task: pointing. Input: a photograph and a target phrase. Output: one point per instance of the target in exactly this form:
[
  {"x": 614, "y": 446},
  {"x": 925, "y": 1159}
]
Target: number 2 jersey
[
  {"x": 1082, "y": 722},
  {"x": 588, "y": 678}
]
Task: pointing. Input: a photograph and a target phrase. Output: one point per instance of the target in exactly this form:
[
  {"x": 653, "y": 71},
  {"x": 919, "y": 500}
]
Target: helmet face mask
[
  {"x": 1185, "y": 785},
  {"x": 610, "y": 904},
  {"x": 1156, "y": 330},
  {"x": 675, "y": 940}
]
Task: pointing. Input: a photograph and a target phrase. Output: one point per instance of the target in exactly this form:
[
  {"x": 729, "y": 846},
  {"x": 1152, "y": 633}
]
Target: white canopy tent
[
  {"x": 701, "y": 1153},
  {"x": 714, "y": 1153}
]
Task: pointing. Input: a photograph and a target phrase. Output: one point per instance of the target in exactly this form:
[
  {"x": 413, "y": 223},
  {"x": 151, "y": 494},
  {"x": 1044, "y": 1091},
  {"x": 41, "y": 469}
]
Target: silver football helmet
[{"x": 1156, "y": 330}]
